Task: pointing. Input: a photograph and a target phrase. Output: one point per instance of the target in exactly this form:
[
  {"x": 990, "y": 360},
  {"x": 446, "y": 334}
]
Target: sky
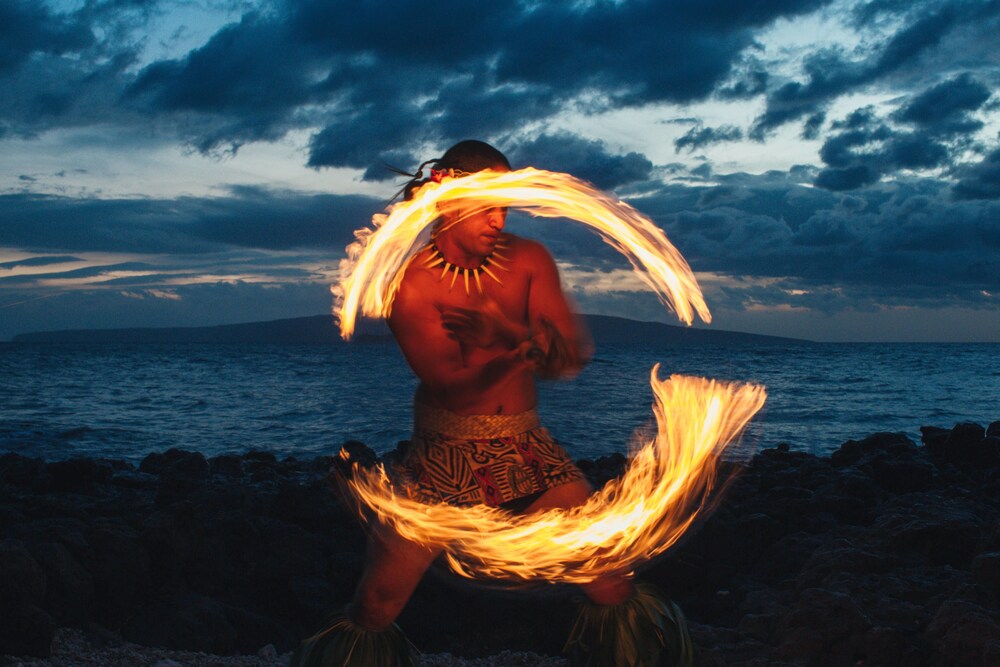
[{"x": 830, "y": 169}]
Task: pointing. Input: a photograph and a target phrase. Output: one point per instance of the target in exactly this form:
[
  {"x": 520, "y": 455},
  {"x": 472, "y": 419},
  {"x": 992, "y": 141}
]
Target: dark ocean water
[{"x": 124, "y": 401}]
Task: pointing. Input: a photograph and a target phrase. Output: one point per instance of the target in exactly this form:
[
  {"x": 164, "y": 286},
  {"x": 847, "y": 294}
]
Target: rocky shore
[{"x": 885, "y": 553}]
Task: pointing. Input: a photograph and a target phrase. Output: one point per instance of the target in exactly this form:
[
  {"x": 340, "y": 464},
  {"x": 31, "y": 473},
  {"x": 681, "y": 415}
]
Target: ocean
[{"x": 59, "y": 401}]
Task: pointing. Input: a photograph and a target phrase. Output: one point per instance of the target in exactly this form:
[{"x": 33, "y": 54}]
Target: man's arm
[
  {"x": 436, "y": 356},
  {"x": 562, "y": 335}
]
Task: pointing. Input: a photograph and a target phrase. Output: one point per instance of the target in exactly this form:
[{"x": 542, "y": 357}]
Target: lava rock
[{"x": 77, "y": 475}]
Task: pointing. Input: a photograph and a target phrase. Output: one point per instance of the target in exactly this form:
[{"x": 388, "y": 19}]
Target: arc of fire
[
  {"x": 668, "y": 479},
  {"x": 371, "y": 272}
]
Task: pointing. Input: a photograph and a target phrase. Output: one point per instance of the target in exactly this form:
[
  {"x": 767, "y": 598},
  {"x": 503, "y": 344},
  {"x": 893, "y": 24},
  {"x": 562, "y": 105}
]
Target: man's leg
[
  {"x": 367, "y": 634},
  {"x": 637, "y": 625},
  {"x": 609, "y": 589},
  {"x": 393, "y": 569}
]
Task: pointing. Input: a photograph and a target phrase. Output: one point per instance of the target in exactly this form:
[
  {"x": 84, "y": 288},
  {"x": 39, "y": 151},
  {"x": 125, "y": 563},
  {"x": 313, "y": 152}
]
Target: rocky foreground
[{"x": 885, "y": 553}]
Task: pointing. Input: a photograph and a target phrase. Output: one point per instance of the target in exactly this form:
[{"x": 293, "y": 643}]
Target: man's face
[{"x": 477, "y": 233}]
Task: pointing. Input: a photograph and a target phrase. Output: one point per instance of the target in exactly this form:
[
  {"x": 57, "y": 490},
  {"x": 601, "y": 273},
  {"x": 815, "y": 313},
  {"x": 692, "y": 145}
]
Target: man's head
[
  {"x": 471, "y": 156},
  {"x": 471, "y": 231},
  {"x": 468, "y": 156}
]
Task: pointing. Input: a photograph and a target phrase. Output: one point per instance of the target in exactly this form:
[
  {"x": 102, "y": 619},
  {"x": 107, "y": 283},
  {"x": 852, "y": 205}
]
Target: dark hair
[
  {"x": 472, "y": 156},
  {"x": 469, "y": 156}
]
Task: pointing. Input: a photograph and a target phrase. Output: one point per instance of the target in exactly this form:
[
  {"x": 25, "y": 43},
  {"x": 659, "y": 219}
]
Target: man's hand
[
  {"x": 555, "y": 357},
  {"x": 485, "y": 327}
]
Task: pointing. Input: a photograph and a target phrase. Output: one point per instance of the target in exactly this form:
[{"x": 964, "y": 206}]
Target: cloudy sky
[{"x": 830, "y": 169}]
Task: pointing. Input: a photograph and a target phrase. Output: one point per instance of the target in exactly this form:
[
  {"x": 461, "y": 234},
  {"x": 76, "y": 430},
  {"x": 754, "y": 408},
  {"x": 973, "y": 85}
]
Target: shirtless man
[{"x": 478, "y": 315}]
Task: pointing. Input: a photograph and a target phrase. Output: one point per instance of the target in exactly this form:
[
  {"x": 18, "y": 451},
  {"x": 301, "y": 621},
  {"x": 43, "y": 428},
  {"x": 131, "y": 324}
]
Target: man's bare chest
[{"x": 511, "y": 297}]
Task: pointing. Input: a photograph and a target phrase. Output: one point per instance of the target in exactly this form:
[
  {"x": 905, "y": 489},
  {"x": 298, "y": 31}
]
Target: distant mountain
[
  {"x": 322, "y": 329},
  {"x": 619, "y": 331}
]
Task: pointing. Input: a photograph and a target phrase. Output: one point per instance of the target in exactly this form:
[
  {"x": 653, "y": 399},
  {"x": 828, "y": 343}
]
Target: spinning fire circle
[{"x": 668, "y": 479}]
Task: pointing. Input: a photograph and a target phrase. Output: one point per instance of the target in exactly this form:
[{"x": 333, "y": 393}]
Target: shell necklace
[{"x": 494, "y": 259}]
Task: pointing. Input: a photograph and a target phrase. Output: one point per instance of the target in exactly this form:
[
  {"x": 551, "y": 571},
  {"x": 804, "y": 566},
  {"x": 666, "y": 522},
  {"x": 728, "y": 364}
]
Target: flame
[
  {"x": 668, "y": 480},
  {"x": 373, "y": 269},
  {"x": 632, "y": 519}
]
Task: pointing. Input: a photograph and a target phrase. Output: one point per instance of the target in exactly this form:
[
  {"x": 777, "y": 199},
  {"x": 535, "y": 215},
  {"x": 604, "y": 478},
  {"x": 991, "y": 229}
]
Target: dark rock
[
  {"x": 66, "y": 531},
  {"x": 845, "y": 508},
  {"x": 397, "y": 455},
  {"x": 176, "y": 463},
  {"x": 986, "y": 571},
  {"x": 838, "y": 557},
  {"x": 935, "y": 439},
  {"x": 173, "y": 490},
  {"x": 988, "y": 453},
  {"x": 780, "y": 560},
  {"x": 173, "y": 538},
  {"x": 9, "y": 517},
  {"x": 822, "y": 623},
  {"x": 927, "y": 526},
  {"x": 848, "y": 453},
  {"x": 357, "y": 452},
  {"x": 227, "y": 465},
  {"x": 290, "y": 550},
  {"x": 603, "y": 469},
  {"x": 314, "y": 597},
  {"x": 885, "y": 441},
  {"x": 345, "y": 570},
  {"x": 133, "y": 479},
  {"x": 260, "y": 456},
  {"x": 69, "y": 593},
  {"x": 993, "y": 430},
  {"x": 892, "y": 646},
  {"x": 902, "y": 475},
  {"x": 120, "y": 568},
  {"x": 848, "y": 557},
  {"x": 962, "y": 631},
  {"x": 77, "y": 475},
  {"x": 964, "y": 442},
  {"x": 26, "y": 630},
  {"x": 22, "y": 581},
  {"x": 184, "y": 621},
  {"x": 22, "y": 471}
]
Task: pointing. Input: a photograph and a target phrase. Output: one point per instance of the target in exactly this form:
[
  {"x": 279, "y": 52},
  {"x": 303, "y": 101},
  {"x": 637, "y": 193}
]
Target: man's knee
[
  {"x": 610, "y": 590},
  {"x": 376, "y": 607}
]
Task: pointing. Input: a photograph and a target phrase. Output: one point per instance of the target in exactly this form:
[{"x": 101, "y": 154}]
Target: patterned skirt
[{"x": 482, "y": 459}]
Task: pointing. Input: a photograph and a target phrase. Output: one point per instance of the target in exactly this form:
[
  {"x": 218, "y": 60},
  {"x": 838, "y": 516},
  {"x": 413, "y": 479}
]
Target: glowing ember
[
  {"x": 372, "y": 271},
  {"x": 668, "y": 479},
  {"x": 629, "y": 521}
]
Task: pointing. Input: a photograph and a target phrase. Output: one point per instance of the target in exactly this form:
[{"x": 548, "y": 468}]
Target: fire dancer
[{"x": 478, "y": 315}]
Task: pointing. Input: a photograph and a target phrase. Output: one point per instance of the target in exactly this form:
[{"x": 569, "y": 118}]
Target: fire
[
  {"x": 373, "y": 269},
  {"x": 668, "y": 479},
  {"x": 629, "y": 521}
]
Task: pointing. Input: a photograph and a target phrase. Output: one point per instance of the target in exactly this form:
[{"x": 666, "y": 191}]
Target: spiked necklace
[{"x": 494, "y": 259}]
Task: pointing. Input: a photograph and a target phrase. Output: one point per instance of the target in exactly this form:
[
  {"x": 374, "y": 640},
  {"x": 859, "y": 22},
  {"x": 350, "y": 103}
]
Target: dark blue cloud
[
  {"x": 847, "y": 178},
  {"x": 85, "y": 272},
  {"x": 189, "y": 305},
  {"x": 910, "y": 241},
  {"x": 584, "y": 158},
  {"x": 38, "y": 261},
  {"x": 981, "y": 180},
  {"x": 250, "y": 218},
  {"x": 930, "y": 130},
  {"x": 385, "y": 78},
  {"x": 944, "y": 109},
  {"x": 27, "y": 28},
  {"x": 698, "y": 137},
  {"x": 831, "y": 73}
]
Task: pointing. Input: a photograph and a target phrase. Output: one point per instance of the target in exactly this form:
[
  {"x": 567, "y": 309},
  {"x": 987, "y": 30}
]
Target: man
[{"x": 479, "y": 313}]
